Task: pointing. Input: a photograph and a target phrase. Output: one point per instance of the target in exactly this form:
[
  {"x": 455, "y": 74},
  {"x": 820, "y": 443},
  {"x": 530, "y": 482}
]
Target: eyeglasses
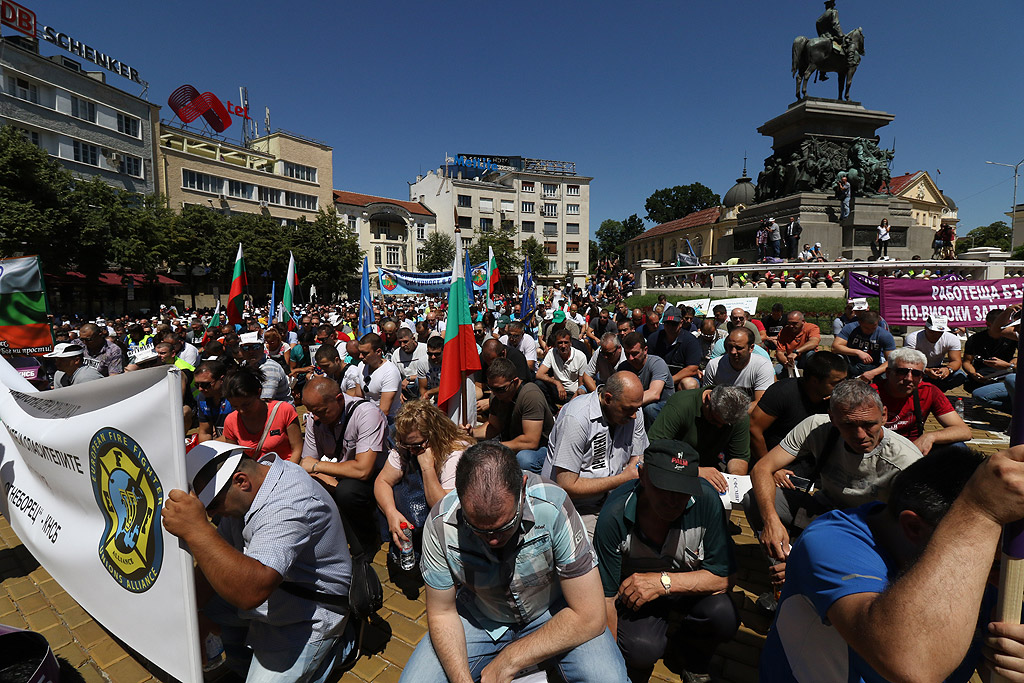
[
  {"x": 504, "y": 528},
  {"x": 500, "y": 390},
  {"x": 903, "y": 372},
  {"x": 414, "y": 447},
  {"x": 435, "y": 353},
  {"x": 206, "y": 385}
]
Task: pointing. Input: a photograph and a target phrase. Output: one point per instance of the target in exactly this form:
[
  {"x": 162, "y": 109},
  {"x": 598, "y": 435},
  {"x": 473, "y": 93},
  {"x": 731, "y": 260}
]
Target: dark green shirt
[
  {"x": 682, "y": 419},
  {"x": 697, "y": 540}
]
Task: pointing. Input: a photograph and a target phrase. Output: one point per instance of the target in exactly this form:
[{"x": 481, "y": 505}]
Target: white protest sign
[
  {"x": 85, "y": 471},
  {"x": 747, "y": 303},
  {"x": 701, "y": 307},
  {"x": 737, "y": 486}
]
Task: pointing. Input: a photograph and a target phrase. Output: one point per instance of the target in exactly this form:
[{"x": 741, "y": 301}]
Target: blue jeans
[
  {"x": 997, "y": 395},
  {"x": 597, "y": 659},
  {"x": 532, "y": 461},
  {"x": 844, "y": 207},
  {"x": 776, "y": 248},
  {"x": 951, "y": 382},
  {"x": 651, "y": 412}
]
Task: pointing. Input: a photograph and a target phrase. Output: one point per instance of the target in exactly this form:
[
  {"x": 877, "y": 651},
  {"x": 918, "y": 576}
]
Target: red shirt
[
  {"x": 900, "y": 411},
  {"x": 277, "y": 437}
]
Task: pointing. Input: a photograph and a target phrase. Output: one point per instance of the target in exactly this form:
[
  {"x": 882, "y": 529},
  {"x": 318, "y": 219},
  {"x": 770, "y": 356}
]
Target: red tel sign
[{"x": 189, "y": 104}]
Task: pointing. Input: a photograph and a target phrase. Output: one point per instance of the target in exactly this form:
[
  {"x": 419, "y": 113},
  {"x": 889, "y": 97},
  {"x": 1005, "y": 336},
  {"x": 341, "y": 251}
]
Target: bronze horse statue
[{"x": 816, "y": 54}]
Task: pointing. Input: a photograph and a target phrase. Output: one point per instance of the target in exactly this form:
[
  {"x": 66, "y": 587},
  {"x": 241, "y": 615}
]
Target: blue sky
[{"x": 641, "y": 95}]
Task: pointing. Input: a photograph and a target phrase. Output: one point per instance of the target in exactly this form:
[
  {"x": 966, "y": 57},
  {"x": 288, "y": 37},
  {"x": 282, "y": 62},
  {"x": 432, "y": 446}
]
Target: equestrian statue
[{"x": 832, "y": 51}]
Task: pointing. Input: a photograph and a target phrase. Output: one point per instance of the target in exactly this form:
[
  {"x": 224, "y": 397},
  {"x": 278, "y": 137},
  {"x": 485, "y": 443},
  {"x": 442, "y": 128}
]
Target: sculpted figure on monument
[{"x": 832, "y": 51}]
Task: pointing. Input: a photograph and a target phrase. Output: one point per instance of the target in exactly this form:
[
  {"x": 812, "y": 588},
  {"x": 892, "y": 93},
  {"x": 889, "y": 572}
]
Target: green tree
[
  {"x": 438, "y": 252},
  {"x": 612, "y": 235},
  {"x": 502, "y": 241},
  {"x": 191, "y": 239},
  {"x": 996, "y": 234},
  {"x": 531, "y": 248},
  {"x": 671, "y": 203},
  {"x": 327, "y": 254}
]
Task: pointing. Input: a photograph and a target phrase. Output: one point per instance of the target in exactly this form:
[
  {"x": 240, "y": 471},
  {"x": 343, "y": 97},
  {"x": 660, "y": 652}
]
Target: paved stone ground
[{"x": 30, "y": 598}]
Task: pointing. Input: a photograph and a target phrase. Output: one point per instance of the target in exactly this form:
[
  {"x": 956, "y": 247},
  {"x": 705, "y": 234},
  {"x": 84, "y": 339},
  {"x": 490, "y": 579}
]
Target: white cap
[
  {"x": 817, "y": 244},
  {"x": 145, "y": 356},
  {"x": 859, "y": 304},
  {"x": 249, "y": 338},
  {"x": 65, "y": 350},
  {"x": 937, "y": 323},
  {"x": 224, "y": 456}
]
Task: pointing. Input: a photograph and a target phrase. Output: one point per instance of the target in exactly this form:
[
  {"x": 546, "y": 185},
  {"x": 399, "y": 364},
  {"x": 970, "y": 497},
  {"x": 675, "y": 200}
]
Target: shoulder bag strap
[
  {"x": 918, "y": 414},
  {"x": 266, "y": 429}
]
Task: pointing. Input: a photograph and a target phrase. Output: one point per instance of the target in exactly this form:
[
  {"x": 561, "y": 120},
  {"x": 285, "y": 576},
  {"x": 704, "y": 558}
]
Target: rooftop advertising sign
[{"x": 17, "y": 17}]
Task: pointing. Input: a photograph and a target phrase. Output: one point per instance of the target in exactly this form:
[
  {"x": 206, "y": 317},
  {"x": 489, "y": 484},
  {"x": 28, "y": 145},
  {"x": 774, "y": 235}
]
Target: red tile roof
[
  {"x": 900, "y": 183},
  {"x": 693, "y": 220},
  {"x": 356, "y": 199}
]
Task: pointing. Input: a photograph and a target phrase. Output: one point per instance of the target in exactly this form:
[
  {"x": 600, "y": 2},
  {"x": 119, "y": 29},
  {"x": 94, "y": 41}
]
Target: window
[
  {"x": 486, "y": 205},
  {"x": 486, "y": 224},
  {"x": 572, "y": 228},
  {"x": 550, "y": 190},
  {"x": 269, "y": 195},
  {"x": 572, "y": 190},
  {"x": 464, "y": 223},
  {"x": 23, "y": 89},
  {"x": 83, "y": 109},
  {"x": 508, "y": 206},
  {"x": 572, "y": 265},
  {"x": 572, "y": 209},
  {"x": 393, "y": 255},
  {"x": 130, "y": 165},
  {"x": 300, "y": 172},
  {"x": 237, "y": 188},
  {"x": 550, "y": 229},
  {"x": 528, "y": 226},
  {"x": 572, "y": 247},
  {"x": 201, "y": 181},
  {"x": 297, "y": 200},
  {"x": 352, "y": 223},
  {"x": 550, "y": 211},
  {"x": 526, "y": 186},
  {"x": 421, "y": 231},
  {"x": 86, "y": 153},
  {"x": 465, "y": 201},
  {"x": 466, "y": 243},
  {"x": 419, "y": 258},
  {"x": 30, "y": 135},
  {"x": 528, "y": 207},
  {"x": 129, "y": 125},
  {"x": 376, "y": 255},
  {"x": 551, "y": 247}
]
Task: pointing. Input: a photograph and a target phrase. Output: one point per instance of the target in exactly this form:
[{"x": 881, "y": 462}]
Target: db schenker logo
[
  {"x": 129, "y": 494},
  {"x": 189, "y": 104}
]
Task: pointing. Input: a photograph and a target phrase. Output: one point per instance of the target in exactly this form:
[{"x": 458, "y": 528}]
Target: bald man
[
  {"x": 596, "y": 444},
  {"x": 100, "y": 353}
]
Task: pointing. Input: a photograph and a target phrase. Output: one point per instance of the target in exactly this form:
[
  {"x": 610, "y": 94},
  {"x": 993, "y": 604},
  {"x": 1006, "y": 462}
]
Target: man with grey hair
[
  {"x": 714, "y": 421},
  {"x": 516, "y": 336},
  {"x": 839, "y": 460},
  {"x": 603, "y": 363},
  {"x": 596, "y": 444},
  {"x": 909, "y": 401}
]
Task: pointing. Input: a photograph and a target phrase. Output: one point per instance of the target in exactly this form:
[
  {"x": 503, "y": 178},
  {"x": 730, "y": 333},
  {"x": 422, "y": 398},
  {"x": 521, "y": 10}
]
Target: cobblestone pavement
[{"x": 32, "y": 599}]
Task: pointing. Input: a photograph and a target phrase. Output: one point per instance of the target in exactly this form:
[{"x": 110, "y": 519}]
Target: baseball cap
[
  {"x": 672, "y": 466},
  {"x": 65, "y": 350},
  {"x": 859, "y": 304},
  {"x": 672, "y": 315},
  {"x": 217, "y": 462},
  {"x": 937, "y": 323},
  {"x": 558, "y": 317},
  {"x": 249, "y": 338},
  {"x": 503, "y": 320}
]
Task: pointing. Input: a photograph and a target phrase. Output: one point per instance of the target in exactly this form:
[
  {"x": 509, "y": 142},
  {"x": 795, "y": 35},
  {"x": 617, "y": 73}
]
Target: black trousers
[
  {"x": 690, "y": 628},
  {"x": 357, "y": 505}
]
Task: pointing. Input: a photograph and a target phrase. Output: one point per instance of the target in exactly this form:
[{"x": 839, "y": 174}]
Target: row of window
[
  {"x": 549, "y": 189},
  {"x": 395, "y": 255},
  {"x": 205, "y": 182},
  {"x": 508, "y": 206},
  {"x": 85, "y": 153},
  {"x": 300, "y": 172},
  {"x": 81, "y": 108}
]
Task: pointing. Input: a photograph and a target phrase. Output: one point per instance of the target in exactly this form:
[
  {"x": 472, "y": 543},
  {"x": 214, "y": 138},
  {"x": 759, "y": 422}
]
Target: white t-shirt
[
  {"x": 935, "y": 353},
  {"x": 758, "y": 375},
  {"x": 567, "y": 372},
  {"x": 528, "y": 346},
  {"x": 883, "y": 233},
  {"x": 406, "y": 361},
  {"x": 447, "y": 469},
  {"x": 352, "y": 377},
  {"x": 385, "y": 378},
  {"x": 424, "y": 370}
]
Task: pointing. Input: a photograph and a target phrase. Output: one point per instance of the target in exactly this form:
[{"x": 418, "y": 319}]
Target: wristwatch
[{"x": 666, "y": 582}]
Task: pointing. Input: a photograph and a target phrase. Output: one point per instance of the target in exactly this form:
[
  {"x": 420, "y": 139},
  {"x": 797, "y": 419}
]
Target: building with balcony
[
  {"x": 391, "y": 231},
  {"x": 928, "y": 205},
  {"x": 546, "y": 200},
  {"x": 92, "y": 127}
]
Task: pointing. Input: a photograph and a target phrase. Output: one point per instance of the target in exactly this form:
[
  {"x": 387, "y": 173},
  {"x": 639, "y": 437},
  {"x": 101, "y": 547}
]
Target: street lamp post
[{"x": 1013, "y": 209}]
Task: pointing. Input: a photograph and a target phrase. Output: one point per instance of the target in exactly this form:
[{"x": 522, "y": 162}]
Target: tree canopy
[
  {"x": 612, "y": 235},
  {"x": 997, "y": 234},
  {"x": 438, "y": 253},
  {"x": 671, "y": 203}
]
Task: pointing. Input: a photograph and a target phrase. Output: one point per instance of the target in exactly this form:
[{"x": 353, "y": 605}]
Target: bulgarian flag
[
  {"x": 492, "y": 277},
  {"x": 24, "y": 326},
  {"x": 291, "y": 284},
  {"x": 214, "y": 325},
  {"x": 239, "y": 281},
  {"x": 460, "y": 355}
]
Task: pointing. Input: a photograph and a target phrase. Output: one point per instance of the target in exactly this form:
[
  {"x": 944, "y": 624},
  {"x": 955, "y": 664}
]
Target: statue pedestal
[{"x": 830, "y": 119}]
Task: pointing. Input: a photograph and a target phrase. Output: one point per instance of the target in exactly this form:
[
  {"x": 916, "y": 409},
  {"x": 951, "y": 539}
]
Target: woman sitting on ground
[{"x": 261, "y": 427}]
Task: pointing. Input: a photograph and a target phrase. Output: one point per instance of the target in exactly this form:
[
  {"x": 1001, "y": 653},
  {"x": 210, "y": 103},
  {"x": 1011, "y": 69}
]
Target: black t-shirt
[
  {"x": 788, "y": 402},
  {"x": 983, "y": 347},
  {"x": 772, "y": 327},
  {"x": 518, "y": 359},
  {"x": 684, "y": 350}
]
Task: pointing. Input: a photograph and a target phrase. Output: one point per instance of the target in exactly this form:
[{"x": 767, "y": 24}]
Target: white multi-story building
[
  {"x": 388, "y": 229},
  {"x": 545, "y": 200}
]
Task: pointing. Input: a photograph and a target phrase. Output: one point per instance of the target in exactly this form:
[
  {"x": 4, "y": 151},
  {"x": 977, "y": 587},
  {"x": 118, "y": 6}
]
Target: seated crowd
[{"x": 578, "y": 527}]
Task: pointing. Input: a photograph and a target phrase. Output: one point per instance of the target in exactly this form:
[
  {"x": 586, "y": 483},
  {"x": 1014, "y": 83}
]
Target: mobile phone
[{"x": 800, "y": 482}]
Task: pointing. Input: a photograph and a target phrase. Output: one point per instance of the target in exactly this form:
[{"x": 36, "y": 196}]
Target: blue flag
[
  {"x": 273, "y": 298},
  {"x": 467, "y": 270},
  {"x": 365, "y": 302},
  {"x": 529, "y": 293}
]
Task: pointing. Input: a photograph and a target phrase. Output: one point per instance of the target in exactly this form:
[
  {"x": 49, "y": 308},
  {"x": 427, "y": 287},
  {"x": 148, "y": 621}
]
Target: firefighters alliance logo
[
  {"x": 388, "y": 282},
  {"x": 128, "y": 492}
]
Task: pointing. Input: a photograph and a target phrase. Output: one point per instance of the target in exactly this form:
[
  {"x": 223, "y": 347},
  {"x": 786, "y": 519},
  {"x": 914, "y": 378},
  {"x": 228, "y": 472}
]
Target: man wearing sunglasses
[
  {"x": 382, "y": 379},
  {"x": 428, "y": 371},
  {"x": 274, "y": 522},
  {"x": 909, "y": 401},
  {"x": 511, "y": 581},
  {"x": 603, "y": 363},
  {"x": 276, "y": 386},
  {"x": 519, "y": 415}
]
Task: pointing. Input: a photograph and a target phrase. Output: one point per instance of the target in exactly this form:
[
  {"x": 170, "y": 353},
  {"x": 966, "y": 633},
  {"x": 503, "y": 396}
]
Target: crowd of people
[{"x": 578, "y": 526}]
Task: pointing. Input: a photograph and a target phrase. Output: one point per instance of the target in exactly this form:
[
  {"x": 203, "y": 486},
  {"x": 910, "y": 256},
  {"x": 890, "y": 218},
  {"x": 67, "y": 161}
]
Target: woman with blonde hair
[{"x": 421, "y": 470}]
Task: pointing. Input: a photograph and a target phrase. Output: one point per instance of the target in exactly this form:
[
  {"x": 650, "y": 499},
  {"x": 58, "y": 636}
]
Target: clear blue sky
[{"x": 641, "y": 95}]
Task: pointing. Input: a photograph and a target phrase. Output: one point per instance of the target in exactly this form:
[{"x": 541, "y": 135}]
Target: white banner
[
  {"x": 701, "y": 307},
  {"x": 747, "y": 303},
  {"x": 85, "y": 472}
]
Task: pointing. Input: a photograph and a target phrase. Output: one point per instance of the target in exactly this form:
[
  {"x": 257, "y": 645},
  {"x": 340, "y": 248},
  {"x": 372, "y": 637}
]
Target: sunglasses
[
  {"x": 414, "y": 447},
  {"x": 206, "y": 385},
  {"x": 500, "y": 390},
  {"x": 504, "y": 528},
  {"x": 903, "y": 372},
  {"x": 435, "y": 353}
]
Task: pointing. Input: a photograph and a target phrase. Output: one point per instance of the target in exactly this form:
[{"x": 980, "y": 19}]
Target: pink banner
[{"x": 908, "y": 302}]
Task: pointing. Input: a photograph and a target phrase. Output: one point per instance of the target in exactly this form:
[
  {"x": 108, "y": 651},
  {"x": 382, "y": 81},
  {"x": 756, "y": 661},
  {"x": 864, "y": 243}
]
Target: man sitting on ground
[
  {"x": 491, "y": 349},
  {"x": 519, "y": 415},
  {"x": 653, "y": 373},
  {"x": 560, "y": 373},
  {"x": 329, "y": 364},
  {"x": 866, "y": 346},
  {"x": 518, "y": 338},
  {"x": 492, "y": 610},
  {"x": 909, "y": 401},
  {"x": 740, "y": 367},
  {"x": 101, "y": 353},
  {"x": 988, "y": 359},
  {"x": 409, "y": 351},
  {"x": 739, "y": 318},
  {"x": 276, "y": 386},
  {"x": 71, "y": 367},
  {"x": 796, "y": 342},
  {"x": 596, "y": 444},
  {"x": 428, "y": 372},
  {"x": 678, "y": 348},
  {"x": 382, "y": 380},
  {"x": 937, "y": 344},
  {"x": 603, "y": 363}
]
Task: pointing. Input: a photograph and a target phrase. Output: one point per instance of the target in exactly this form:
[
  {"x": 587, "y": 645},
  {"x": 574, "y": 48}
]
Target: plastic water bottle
[
  {"x": 960, "y": 407},
  {"x": 408, "y": 556},
  {"x": 214, "y": 652}
]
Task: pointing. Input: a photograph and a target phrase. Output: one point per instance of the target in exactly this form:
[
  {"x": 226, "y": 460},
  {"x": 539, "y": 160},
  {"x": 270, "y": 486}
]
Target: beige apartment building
[
  {"x": 283, "y": 175},
  {"x": 388, "y": 229},
  {"x": 542, "y": 199}
]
